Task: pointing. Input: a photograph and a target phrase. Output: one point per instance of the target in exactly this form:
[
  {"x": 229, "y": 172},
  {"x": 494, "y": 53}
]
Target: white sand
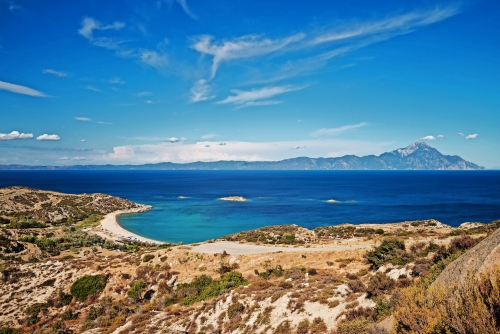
[
  {"x": 235, "y": 248},
  {"x": 110, "y": 229}
]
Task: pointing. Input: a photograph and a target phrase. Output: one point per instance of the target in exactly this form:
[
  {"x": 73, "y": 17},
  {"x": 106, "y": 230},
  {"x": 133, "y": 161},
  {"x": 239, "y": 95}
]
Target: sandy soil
[
  {"x": 110, "y": 229},
  {"x": 235, "y": 248}
]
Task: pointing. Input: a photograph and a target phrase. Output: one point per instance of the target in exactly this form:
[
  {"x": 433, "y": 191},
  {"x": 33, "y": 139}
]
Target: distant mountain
[{"x": 417, "y": 156}]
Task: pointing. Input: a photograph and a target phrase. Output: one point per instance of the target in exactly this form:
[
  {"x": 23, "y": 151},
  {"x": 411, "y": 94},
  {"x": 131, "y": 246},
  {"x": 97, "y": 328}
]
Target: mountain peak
[{"x": 418, "y": 145}]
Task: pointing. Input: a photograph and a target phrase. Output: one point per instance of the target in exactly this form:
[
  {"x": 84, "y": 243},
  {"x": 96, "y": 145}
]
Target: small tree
[{"x": 136, "y": 290}]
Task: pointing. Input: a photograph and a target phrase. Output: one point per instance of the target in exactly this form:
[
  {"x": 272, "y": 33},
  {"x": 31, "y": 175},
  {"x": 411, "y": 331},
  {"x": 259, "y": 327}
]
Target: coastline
[{"x": 111, "y": 230}]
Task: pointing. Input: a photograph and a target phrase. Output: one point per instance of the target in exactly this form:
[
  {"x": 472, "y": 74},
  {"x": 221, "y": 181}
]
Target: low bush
[
  {"x": 86, "y": 286},
  {"x": 64, "y": 298},
  {"x": 317, "y": 326},
  {"x": 147, "y": 257},
  {"x": 390, "y": 250},
  {"x": 234, "y": 310},
  {"x": 136, "y": 290},
  {"x": 356, "y": 285},
  {"x": 49, "y": 282},
  {"x": 462, "y": 242},
  {"x": 355, "y": 326},
  {"x": 205, "y": 287},
  {"x": 380, "y": 284}
]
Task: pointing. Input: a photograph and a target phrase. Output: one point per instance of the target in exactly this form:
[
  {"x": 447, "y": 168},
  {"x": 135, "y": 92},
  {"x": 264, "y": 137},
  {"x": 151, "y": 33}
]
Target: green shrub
[
  {"x": 69, "y": 315},
  {"x": 389, "y": 250},
  {"x": 136, "y": 290},
  {"x": 8, "y": 330},
  {"x": 147, "y": 257},
  {"x": 64, "y": 298},
  {"x": 86, "y": 286},
  {"x": 49, "y": 282},
  {"x": 204, "y": 287}
]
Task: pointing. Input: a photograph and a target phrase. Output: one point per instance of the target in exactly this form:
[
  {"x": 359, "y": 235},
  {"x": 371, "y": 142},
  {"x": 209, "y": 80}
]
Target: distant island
[
  {"x": 233, "y": 199},
  {"x": 417, "y": 156}
]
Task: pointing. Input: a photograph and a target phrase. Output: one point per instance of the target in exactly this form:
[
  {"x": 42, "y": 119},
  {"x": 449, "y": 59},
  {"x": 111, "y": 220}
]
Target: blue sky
[{"x": 97, "y": 82}]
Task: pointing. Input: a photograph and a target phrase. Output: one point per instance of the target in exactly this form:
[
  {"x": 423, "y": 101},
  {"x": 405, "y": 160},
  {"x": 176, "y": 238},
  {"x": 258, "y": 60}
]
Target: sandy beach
[{"x": 110, "y": 229}]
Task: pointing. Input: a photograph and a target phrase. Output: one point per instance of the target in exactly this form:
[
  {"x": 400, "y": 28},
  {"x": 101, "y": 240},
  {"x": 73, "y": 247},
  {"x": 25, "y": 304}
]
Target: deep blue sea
[{"x": 278, "y": 197}]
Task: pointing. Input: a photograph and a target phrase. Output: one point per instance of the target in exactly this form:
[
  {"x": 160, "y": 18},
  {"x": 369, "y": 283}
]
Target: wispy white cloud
[
  {"x": 440, "y": 136},
  {"x": 239, "y": 48},
  {"x": 48, "y": 137},
  {"x": 144, "y": 93},
  {"x": 460, "y": 134},
  {"x": 200, "y": 92},
  {"x": 117, "y": 81},
  {"x": 337, "y": 131},
  {"x": 402, "y": 23},
  {"x": 89, "y": 24},
  {"x": 101, "y": 122},
  {"x": 92, "y": 88},
  {"x": 15, "y": 135},
  {"x": 209, "y": 136},
  {"x": 63, "y": 158},
  {"x": 83, "y": 119},
  {"x": 20, "y": 89},
  {"x": 428, "y": 138},
  {"x": 56, "y": 73},
  {"x": 253, "y": 97},
  {"x": 83, "y": 140},
  {"x": 472, "y": 136},
  {"x": 153, "y": 58},
  {"x": 183, "y": 4},
  {"x": 78, "y": 158},
  {"x": 353, "y": 36}
]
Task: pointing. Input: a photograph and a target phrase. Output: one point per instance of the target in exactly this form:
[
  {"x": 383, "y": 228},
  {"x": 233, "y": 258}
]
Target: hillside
[{"x": 49, "y": 206}]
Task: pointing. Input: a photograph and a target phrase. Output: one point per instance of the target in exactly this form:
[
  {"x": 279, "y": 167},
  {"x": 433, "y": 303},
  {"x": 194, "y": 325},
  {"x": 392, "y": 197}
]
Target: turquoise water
[{"x": 278, "y": 197}]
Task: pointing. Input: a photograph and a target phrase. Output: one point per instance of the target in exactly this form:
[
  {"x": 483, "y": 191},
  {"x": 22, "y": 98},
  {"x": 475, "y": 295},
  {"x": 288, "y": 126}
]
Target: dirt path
[{"x": 235, "y": 248}]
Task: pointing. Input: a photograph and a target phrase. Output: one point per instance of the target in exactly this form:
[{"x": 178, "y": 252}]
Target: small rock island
[{"x": 234, "y": 199}]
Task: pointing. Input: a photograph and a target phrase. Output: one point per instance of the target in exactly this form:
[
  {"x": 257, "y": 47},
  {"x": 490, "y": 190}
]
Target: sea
[{"x": 186, "y": 205}]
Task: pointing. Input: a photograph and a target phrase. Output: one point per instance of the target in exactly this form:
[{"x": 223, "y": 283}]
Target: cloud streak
[
  {"x": 353, "y": 35},
  {"x": 472, "y": 136},
  {"x": 239, "y": 48},
  {"x": 336, "y": 131},
  {"x": 200, "y": 92},
  {"x": 83, "y": 119},
  {"x": 183, "y": 4},
  {"x": 18, "y": 89},
  {"x": 54, "y": 72},
  {"x": 89, "y": 24},
  {"x": 254, "y": 96}
]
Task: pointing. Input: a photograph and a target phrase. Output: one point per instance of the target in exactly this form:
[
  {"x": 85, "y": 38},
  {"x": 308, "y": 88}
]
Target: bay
[{"x": 278, "y": 197}]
